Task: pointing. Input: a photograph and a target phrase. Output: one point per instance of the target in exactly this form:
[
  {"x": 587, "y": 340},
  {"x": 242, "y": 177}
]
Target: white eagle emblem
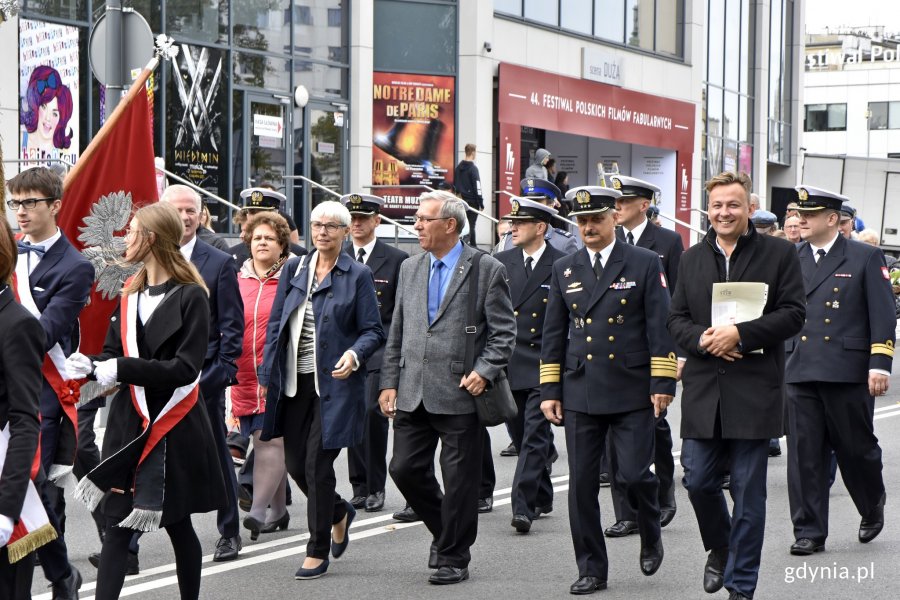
[{"x": 110, "y": 214}]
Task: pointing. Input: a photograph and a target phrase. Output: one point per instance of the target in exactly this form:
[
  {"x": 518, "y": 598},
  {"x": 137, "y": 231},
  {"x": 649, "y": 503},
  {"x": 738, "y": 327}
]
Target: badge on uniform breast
[
  {"x": 623, "y": 285},
  {"x": 835, "y": 304},
  {"x": 567, "y": 273},
  {"x": 620, "y": 319},
  {"x": 575, "y": 286}
]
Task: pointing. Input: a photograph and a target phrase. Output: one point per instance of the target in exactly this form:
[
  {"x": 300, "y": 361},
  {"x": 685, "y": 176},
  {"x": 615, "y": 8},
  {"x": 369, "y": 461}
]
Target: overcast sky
[{"x": 854, "y": 13}]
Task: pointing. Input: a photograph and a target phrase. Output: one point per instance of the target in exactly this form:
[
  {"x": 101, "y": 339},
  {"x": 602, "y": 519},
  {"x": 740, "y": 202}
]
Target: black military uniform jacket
[
  {"x": 384, "y": 262},
  {"x": 529, "y": 300},
  {"x": 665, "y": 242},
  {"x": 850, "y": 318},
  {"x": 605, "y": 344}
]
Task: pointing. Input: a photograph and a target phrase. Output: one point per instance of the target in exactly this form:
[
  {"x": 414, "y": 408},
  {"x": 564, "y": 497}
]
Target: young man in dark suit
[
  {"x": 635, "y": 229},
  {"x": 850, "y": 322},
  {"x": 54, "y": 282},
  {"x": 367, "y": 462},
  {"x": 226, "y": 334},
  {"x": 613, "y": 374},
  {"x": 424, "y": 386},
  {"x": 733, "y": 380},
  {"x": 528, "y": 268}
]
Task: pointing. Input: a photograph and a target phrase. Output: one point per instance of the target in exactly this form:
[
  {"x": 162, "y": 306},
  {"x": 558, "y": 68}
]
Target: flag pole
[{"x": 139, "y": 86}]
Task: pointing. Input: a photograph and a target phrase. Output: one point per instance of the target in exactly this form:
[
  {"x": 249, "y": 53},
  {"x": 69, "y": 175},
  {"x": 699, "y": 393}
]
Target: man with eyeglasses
[{"x": 53, "y": 281}]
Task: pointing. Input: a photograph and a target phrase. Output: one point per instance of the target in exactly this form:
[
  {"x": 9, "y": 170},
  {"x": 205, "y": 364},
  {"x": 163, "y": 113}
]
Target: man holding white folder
[{"x": 733, "y": 394}]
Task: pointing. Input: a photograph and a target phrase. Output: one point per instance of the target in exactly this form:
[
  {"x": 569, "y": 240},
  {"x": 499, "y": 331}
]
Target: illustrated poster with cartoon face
[{"x": 48, "y": 92}]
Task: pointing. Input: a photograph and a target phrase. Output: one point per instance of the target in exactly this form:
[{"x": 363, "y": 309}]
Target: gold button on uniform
[
  {"x": 534, "y": 315},
  {"x": 612, "y": 338},
  {"x": 828, "y": 304},
  {"x": 624, "y": 301},
  {"x": 515, "y": 312},
  {"x": 612, "y": 356},
  {"x": 574, "y": 306},
  {"x": 803, "y": 339},
  {"x": 827, "y": 338},
  {"x": 589, "y": 338},
  {"x": 377, "y": 293},
  {"x": 532, "y": 330},
  {"x": 610, "y": 320},
  {"x": 589, "y": 321},
  {"x": 827, "y": 321},
  {"x": 545, "y": 301},
  {"x": 836, "y": 290},
  {"x": 590, "y": 357}
]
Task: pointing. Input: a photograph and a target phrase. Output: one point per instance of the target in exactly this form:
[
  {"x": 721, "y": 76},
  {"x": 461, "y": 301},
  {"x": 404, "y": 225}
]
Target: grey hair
[
  {"x": 178, "y": 189},
  {"x": 451, "y": 207},
  {"x": 332, "y": 209}
]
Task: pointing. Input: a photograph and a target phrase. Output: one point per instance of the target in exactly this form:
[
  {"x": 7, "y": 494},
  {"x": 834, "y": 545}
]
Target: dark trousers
[
  {"x": 823, "y": 416},
  {"x": 312, "y": 466},
  {"x": 367, "y": 461},
  {"x": 632, "y": 435},
  {"x": 114, "y": 557},
  {"x": 15, "y": 579},
  {"x": 531, "y": 482},
  {"x": 452, "y": 516},
  {"x": 54, "y": 555},
  {"x": 665, "y": 471},
  {"x": 488, "y": 474},
  {"x": 227, "y": 517},
  {"x": 705, "y": 462},
  {"x": 473, "y": 219},
  {"x": 88, "y": 455}
]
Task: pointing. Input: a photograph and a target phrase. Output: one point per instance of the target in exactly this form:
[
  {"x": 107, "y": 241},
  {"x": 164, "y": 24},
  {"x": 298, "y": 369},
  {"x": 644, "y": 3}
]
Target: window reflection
[
  {"x": 261, "y": 71},
  {"x": 204, "y": 20}
]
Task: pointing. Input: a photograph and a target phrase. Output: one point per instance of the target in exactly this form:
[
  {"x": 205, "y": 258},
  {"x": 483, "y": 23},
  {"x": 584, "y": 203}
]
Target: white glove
[
  {"x": 106, "y": 372},
  {"x": 79, "y": 366},
  {"x": 6, "y": 529}
]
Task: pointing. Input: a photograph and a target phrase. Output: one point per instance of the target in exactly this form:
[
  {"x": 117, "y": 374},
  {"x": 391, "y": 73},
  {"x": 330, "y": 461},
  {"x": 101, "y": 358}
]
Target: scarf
[
  {"x": 66, "y": 389},
  {"x": 147, "y": 450},
  {"x": 33, "y": 529}
]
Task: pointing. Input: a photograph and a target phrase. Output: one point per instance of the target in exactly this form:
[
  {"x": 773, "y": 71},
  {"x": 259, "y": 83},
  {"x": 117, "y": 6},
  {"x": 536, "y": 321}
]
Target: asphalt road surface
[{"x": 387, "y": 559}]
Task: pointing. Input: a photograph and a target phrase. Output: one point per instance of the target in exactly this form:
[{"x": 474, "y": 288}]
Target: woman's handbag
[{"x": 495, "y": 405}]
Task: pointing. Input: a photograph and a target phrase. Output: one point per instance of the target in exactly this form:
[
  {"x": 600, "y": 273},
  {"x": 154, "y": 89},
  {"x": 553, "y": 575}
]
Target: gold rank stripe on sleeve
[
  {"x": 550, "y": 373},
  {"x": 886, "y": 348},
  {"x": 664, "y": 366}
]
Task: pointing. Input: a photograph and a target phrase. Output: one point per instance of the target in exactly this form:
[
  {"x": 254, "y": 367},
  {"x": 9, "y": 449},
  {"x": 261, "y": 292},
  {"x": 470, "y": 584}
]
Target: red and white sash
[{"x": 33, "y": 528}]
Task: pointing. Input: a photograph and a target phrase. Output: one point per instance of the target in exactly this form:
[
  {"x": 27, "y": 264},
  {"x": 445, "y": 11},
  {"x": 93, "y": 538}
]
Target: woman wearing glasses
[
  {"x": 323, "y": 327},
  {"x": 159, "y": 458}
]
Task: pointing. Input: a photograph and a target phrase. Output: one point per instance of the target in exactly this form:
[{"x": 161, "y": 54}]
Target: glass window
[
  {"x": 415, "y": 37},
  {"x": 670, "y": 26},
  {"x": 640, "y": 17},
  {"x": 878, "y": 115},
  {"x": 825, "y": 117},
  {"x": 894, "y": 115},
  {"x": 542, "y": 11},
  {"x": 320, "y": 79},
  {"x": 315, "y": 41},
  {"x": 714, "y": 111},
  {"x": 575, "y": 15},
  {"x": 745, "y": 125},
  {"x": 747, "y": 41},
  {"x": 151, "y": 10},
  {"x": 732, "y": 45},
  {"x": 304, "y": 15},
  {"x": 335, "y": 17},
  {"x": 609, "y": 20},
  {"x": 75, "y": 10},
  {"x": 204, "y": 20},
  {"x": 510, "y": 7},
  {"x": 775, "y": 60},
  {"x": 730, "y": 116},
  {"x": 716, "y": 52},
  {"x": 257, "y": 70},
  {"x": 268, "y": 30}
]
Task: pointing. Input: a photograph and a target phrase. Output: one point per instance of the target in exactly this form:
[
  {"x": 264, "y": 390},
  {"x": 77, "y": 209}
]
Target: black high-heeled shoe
[
  {"x": 279, "y": 523},
  {"x": 254, "y": 526}
]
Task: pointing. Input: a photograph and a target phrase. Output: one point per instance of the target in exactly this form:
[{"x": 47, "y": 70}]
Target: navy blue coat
[
  {"x": 226, "y": 319},
  {"x": 850, "y": 318},
  {"x": 346, "y": 314}
]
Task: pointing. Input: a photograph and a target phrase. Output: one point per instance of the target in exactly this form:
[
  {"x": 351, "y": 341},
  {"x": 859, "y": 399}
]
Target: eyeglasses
[
  {"x": 430, "y": 219},
  {"x": 329, "y": 227},
  {"x": 130, "y": 233},
  {"x": 28, "y": 203}
]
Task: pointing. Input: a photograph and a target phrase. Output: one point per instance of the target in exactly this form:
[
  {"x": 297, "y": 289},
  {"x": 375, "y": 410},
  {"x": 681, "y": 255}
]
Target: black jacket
[
  {"x": 468, "y": 183},
  {"x": 747, "y": 394}
]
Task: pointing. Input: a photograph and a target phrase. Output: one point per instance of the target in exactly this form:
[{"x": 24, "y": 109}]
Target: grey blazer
[{"x": 425, "y": 363}]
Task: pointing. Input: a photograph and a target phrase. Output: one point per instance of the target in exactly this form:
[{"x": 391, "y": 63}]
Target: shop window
[
  {"x": 878, "y": 115},
  {"x": 415, "y": 37},
  {"x": 75, "y": 10},
  {"x": 257, "y": 70},
  {"x": 321, "y": 80},
  {"x": 825, "y": 117},
  {"x": 203, "y": 20},
  {"x": 267, "y": 30}
]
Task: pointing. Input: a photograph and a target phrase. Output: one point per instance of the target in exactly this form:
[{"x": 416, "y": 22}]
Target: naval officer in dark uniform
[
  {"x": 367, "y": 462},
  {"x": 528, "y": 268},
  {"x": 835, "y": 367},
  {"x": 635, "y": 229},
  {"x": 613, "y": 374},
  {"x": 545, "y": 192}
]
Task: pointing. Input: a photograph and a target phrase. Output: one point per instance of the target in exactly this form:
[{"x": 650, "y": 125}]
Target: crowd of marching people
[{"x": 588, "y": 328}]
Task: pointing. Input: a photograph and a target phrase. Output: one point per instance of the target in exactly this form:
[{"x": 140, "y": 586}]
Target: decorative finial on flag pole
[
  {"x": 8, "y": 9},
  {"x": 165, "y": 47}
]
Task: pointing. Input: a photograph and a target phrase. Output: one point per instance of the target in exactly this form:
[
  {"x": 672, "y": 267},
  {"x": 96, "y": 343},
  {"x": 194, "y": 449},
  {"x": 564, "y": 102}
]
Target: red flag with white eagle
[{"x": 113, "y": 177}]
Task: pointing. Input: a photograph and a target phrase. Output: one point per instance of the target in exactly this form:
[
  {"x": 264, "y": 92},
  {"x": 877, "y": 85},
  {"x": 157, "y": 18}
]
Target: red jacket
[{"x": 258, "y": 296}]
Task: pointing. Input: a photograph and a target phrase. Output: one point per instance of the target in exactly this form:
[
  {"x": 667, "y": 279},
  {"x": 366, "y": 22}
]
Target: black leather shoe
[
  {"x": 67, "y": 587},
  {"x": 245, "y": 497},
  {"x": 132, "y": 564},
  {"x": 714, "y": 571},
  {"x": 871, "y": 526},
  {"x": 375, "y": 502},
  {"x": 666, "y": 514},
  {"x": 604, "y": 479},
  {"x": 521, "y": 523},
  {"x": 486, "y": 505},
  {"x": 407, "y": 515},
  {"x": 227, "y": 548},
  {"x": 774, "y": 447},
  {"x": 539, "y": 511},
  {"x": 254, "y": 526},
  {"x": 587, "y": 585},
  {"x": 358, "y": 501},
  {"x": 510, "y": 450},
  {"x": 651, "y": 557},
  {"x": 281, "y": 522},
  {"x": 805, "y": 547},
  {"x": 621, "y": 529},
  {"x": 447, "y": 575},
  {"x": 338, "y": 548},
  {"x": 433, "y": 556}
]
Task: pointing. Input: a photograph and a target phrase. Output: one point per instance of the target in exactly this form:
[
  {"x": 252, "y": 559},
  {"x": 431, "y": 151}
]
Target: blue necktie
[
  {"x": 25, "y": 247},
  {"x": 434, "y": 290}
]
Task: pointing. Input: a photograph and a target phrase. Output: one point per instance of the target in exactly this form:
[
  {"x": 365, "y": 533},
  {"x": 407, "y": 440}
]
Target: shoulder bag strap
[{"x": 470, "y": 314}]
